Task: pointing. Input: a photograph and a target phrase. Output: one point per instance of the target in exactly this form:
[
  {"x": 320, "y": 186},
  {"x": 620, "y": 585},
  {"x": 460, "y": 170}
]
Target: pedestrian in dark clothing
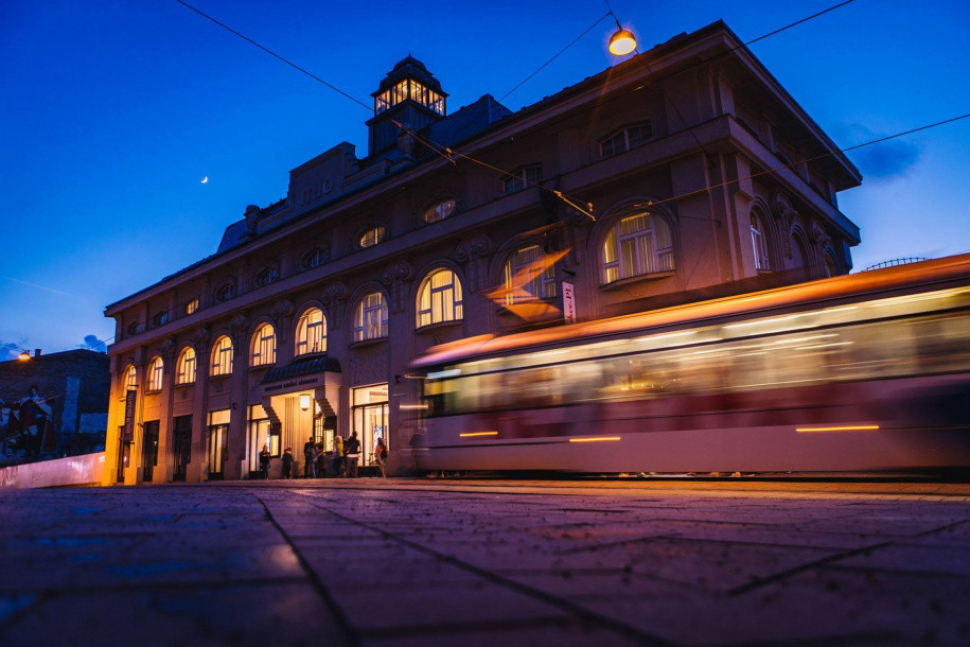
[
  {"x": 264, "y": 457},
  {"x": 287, "y": 463},
  {"x": 352, "y": 449},
  {"x": 310, "y": 458}
]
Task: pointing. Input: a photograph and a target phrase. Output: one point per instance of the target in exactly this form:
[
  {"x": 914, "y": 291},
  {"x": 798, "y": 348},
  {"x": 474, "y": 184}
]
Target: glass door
[
  {"x": 149, "y": 451},
  {"x": 182, "y": 446}
]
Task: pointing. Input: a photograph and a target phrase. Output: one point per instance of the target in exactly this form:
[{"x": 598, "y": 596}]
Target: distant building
[
  {"x": 704, "y": 175},
  {"x": 74, "y": 385}
]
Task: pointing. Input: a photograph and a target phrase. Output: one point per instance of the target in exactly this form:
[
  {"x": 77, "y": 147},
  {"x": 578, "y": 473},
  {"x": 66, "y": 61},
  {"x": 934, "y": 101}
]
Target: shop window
[
  {"x": 218, "y": 442},
  {"x": 371, "y": 419}
]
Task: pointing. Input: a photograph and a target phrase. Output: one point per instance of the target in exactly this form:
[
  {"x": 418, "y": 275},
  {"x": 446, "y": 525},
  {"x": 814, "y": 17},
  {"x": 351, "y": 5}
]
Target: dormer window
[
  {"x": 523, "y": 178},
  {"x": 439, "y": 211},
  {"x": 627, "y": 138},
  {"x": 371, "y": 237}
]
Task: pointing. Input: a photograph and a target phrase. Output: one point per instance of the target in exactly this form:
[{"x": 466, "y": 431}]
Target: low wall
[{"x": 73, "y": 470}]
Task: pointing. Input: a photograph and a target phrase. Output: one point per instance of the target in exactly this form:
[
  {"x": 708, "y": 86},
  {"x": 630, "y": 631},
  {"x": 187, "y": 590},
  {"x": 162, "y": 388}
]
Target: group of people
[{"x": 342, "y": 461}]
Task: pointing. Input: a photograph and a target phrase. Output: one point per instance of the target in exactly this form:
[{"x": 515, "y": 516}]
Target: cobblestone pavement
[{"x": 421, "y": 562}]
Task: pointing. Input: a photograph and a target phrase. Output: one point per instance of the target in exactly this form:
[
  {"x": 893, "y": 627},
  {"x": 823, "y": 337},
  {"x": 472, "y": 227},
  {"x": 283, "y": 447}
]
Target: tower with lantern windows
[{"x": 408, "y": 95}]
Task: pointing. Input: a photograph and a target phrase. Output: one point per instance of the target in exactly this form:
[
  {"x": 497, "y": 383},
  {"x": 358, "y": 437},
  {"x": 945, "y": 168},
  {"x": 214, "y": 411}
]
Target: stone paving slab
[{"x": 418, "y": 562}]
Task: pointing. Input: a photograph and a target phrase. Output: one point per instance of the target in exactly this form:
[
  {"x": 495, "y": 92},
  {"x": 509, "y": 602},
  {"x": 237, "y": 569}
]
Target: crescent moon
[{"x": 205, "y": 180}]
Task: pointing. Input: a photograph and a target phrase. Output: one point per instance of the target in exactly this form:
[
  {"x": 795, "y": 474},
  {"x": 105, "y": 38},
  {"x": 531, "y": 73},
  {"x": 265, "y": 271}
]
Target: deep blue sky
[{"x": 112, "y": 111}]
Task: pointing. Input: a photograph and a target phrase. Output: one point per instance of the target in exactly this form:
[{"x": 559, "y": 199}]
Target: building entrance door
[
  {"x": 182, "y": 445},
  {"x": 149, "y": 451},
  {"x": 371, "y": 419}
]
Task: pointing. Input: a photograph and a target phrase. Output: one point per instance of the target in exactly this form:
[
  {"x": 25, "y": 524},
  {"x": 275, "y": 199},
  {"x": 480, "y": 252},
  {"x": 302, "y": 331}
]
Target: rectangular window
[
  {"x": 182, "y": 446},
  {"x": 524, "y": 178},
  {"x": 259, "y": 435},
  {"x": 149, "y": 451}
]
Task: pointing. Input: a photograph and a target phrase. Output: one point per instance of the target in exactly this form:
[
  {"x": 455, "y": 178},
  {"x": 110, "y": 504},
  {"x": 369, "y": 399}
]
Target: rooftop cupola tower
[{"x": 409, "y": 95}]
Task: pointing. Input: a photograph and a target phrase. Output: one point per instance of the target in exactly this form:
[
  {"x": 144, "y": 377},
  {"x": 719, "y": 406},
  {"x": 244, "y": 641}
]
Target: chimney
[{"x": 36, "y": 352}]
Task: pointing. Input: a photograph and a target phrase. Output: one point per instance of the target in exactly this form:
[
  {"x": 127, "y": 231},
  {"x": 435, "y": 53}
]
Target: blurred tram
[{"x": 864, "y": 372}]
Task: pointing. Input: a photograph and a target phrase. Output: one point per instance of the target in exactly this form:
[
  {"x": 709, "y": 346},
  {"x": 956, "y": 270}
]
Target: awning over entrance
[{"x": 300, "y": 368}]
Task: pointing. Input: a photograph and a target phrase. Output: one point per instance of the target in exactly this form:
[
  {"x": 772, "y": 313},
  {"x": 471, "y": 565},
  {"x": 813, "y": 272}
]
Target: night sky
[{"x": 112, "y": 112}]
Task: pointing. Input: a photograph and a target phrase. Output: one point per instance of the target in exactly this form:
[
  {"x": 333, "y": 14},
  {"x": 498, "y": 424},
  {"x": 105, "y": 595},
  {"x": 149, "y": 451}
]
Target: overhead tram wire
[{"x": 559, "y": 194}]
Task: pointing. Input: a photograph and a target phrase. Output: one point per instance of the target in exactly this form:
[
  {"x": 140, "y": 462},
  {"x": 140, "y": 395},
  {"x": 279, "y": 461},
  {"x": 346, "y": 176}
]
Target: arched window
[
  {"x": 637, "y": 245},
  {"x": 625, "y": 139},
  {"x": 829, "y": 268},
  {"x": 131, "y": 378},
  {"x": 225, "y": 292},
  {"x": 372, "y": 236},
  {"x": 156, "y": 368},
  {"x": 132, "y": 328},
  {"x": 191, "y": 306},
  {"x": 313, "y": 258},
  {"x": 311, "y": 332},
  {"x": 267, "y": 276},
  {"x": 439, "y": 298},
  {"x": 528, "y": 275},
  {"x": 759, "y": 244},
  {"x": 160, "y": 318},
  {"x": 185, "y": 367},
  {"x": 370, "y": 319},
  {"x": 221, "y": 357},
  {"x": 439, "y": 211},
  {"x": 264, "y": 346}
]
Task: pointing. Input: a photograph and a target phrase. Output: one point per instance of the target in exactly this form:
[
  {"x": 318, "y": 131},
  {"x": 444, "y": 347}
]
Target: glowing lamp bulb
[
  {"x": 304, "y": 402},
  {"x": 623, "y": 42},
  {"x": 24, "y": 356}
]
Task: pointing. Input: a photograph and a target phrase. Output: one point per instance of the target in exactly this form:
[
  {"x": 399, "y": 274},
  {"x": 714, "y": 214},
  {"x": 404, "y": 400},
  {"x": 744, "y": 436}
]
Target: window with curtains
[
  {"x": 264, "y": 346},
  {"x": 370, "y": 318},
  {"x": 311, "y": 332},
  {"x": 221, "y": 363},
  {"x": 156, "y": 369},
  {"x": 185, "y": 366},
  {"x": 635, "y": 246}
]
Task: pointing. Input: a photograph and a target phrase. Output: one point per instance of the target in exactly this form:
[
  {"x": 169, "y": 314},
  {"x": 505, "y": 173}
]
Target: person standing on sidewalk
[
  {"x": 264, "y": 457},
  {"x": 310, "y": 458},
  {"x": 338, "y": 455},
  {"x": 287, "y": 463},
  {"x": 380, "y": 456},
  {"x": 352, "y": 448}
]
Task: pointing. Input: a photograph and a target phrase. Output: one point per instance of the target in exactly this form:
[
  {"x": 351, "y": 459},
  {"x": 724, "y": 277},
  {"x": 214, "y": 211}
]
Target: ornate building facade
[{"x": 684, "y": 173}]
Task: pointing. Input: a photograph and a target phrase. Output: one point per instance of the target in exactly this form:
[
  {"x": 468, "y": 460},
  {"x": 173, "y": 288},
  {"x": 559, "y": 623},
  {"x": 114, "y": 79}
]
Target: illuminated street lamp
[
  {"x": 623, "y": 41},
  {"x": 305, "y": 402},
  {"x": 24, "y": 355}
]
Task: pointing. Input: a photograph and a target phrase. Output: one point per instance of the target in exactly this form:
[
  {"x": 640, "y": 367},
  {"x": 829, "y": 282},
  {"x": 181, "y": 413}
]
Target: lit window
[
  {"x": 131, "y": 378},
  {"x": 264, "y": 346},
  {"x": 160, "y": 319},
  {"x": 267, "y": 276},
  {"x": 523, "y": 178},
  {"x": 311, "y": 332},
  {"x": 185, "y": 367},
  {"x": 528, "y": 275},
  {"x": 314, "y": 258},
  {"x": 759, "y": 244},
  {"x": 637, "y": 245},
  {"x": 221, "y": 357},
  {"x": 226, "y": 292},
  {"x": 624, "y": 140},
  {"x": 370, "y": 320},
  {"x": 372, "y": 236},
  {"x": 439, "y": 211},
  {"x": 439, "y": 299},
  {"x": 192, "y": 306},
  {"x": 156, "y": 368}
]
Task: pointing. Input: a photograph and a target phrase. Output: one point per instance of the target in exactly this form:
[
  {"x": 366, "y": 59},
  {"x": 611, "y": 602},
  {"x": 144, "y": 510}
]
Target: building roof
[{"x": 410, "y": 67}]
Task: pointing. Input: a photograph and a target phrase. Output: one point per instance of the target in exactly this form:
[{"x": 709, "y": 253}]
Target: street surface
[{"x": 460, "y": 562}]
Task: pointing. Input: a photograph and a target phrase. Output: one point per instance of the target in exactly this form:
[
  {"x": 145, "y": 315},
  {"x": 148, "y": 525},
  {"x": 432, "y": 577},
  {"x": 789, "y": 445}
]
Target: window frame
[
  {"x": 435, "y": 211},
  {"x": 626, "y": 142},
  {"x": 263, "y": 347},
  {"x": 303, "y": 336},
  {"x": 313, "y": 258},
  {"x": 646, "y": 251},
  {"x": 431, "y": 298},
  {"x": 542, "y": 287},
  {"x": 186, "y": 368},
  {"x": 267, "y": 276},
  {"x": 759, "y": 243},
  {"x": 221, "y": 356},
  {"x": 522, "y": 178},
  {"x": 366, "y": 241},
  {"x": 364, "y": 318},
  {"x": 155, "y": 375}
]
